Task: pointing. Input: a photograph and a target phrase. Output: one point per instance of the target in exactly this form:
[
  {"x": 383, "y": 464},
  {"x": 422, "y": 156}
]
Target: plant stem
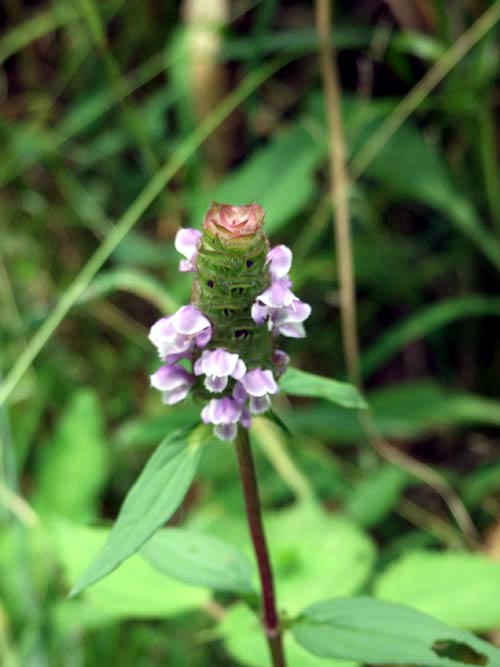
[
  {"x": 339, "y": 193},
  {"x": 270, "y": 619}
]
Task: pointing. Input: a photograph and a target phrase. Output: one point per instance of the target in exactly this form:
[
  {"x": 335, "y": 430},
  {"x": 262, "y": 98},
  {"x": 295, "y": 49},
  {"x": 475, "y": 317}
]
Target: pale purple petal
[
  {"x": 171, "y": 397},
  {"x": 239, "y": 370},
  {"x": 239, "y": 393},
  {"x": 170, "y": 377},
  {"x": 259, "y": 404},
  {"x": 198, "y": 365},
  {"x": 186, "y": 242},
  {"x": 178, "y": 333},
  {"x": 173, "y": 381},
  {"x": 258, "y": 382},
  {"x": 225, "y": 411},
  {"x": 218, "y": 365},
  {"x": 260, "y": 313},
  {"x": 186, "y": 266},
  {"x": 205, "y": 414},
  {"x": 174, "y": 358},
  {"x": 204, "y": 337},
  {"x": 170, "y": 345},
  {"x": 226, "y": 431},
  {"x": 189, "y": 320},
  {"x": 215, "y": 384},
  {"x": 162, "y": 331},
  {"x": 219, "y": 362},
  {"x": 292, "y": 329},
  {"x": 285, "y": 281},
  {"x": 222, "y": 411},
  {"x": 298, "y": 311},
  {"x": 277, "y": 295},
  {"x": 280, "y": 261}
]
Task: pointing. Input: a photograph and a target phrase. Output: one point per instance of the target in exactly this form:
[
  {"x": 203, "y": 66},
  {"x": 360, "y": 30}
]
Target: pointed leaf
[
  {"x": 300, "y": 383},
  {"x": 134, "y": 590},
  {"x": 198, "y": 559},
  {"x": 458, "y": 588},
  {"x": 152, "y": 500},
  {"x": 375, "y": 632}
]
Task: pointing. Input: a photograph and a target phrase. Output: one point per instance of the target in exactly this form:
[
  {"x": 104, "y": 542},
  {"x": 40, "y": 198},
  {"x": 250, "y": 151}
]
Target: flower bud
[{"x": 231, "y": 222}]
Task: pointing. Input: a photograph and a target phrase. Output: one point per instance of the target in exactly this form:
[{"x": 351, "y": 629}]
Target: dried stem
[
  {"x": 270, "y": 618},
  {"x": 338, "y": 190}
]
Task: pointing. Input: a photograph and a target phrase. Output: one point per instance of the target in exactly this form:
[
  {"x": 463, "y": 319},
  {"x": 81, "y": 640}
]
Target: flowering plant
[{"x": 223, "y": 347}]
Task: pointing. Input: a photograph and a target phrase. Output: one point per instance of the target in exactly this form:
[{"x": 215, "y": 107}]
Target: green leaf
[
  {"x": 375, "y": 632},
  {"x": 460, "y": 589},
  {"x": 374, "y": 497},
  {"x": 135, "y": 590},
  {"x": 198, "y": 559},
  {"x": 152, "y": 500},
  {"x": 300, "y": 383},
  {"x": 77, "y": 451},
  {"x": 244, "y": 640}
]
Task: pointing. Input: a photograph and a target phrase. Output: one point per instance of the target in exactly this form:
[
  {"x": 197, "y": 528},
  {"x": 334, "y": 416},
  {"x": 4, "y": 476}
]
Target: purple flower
[
  {"x": 173, "y": 381},
  {"x": 259, "y": 385},
  {"x": 280, "y": 261},
  {"x": 218, "y": 365},
  {"x": 176, "y": 335},
  {"x": 186, "y": 243},
  {"x": 225, "y": 414},
  {"x": 286, "y": 319}
]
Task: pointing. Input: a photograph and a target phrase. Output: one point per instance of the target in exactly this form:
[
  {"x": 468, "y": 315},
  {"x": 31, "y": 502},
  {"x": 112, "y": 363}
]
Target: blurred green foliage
[{"x": 95, "y": 98}]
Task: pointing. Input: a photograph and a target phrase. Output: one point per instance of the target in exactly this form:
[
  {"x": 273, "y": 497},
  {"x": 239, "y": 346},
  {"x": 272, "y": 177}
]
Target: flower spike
[{"x": 241, "y": 301}]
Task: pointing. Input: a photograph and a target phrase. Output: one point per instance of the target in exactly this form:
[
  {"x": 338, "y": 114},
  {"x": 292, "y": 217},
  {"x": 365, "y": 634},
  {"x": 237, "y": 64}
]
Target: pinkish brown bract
[{"x": 231, "y": 222}]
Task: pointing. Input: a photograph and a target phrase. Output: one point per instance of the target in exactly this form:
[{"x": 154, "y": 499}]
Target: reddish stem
[{"x": 271, "y": 619}]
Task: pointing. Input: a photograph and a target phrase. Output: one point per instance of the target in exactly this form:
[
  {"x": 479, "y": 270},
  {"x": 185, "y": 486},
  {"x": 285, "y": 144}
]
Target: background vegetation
[{"x": 120, "y": 121}]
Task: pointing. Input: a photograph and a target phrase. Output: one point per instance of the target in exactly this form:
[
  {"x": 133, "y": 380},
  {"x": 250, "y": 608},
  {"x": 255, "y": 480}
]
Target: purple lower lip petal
[
  {"x": 259, "y": 404},
  {"x": 170, "y": 398},
  {"x": 292, "y": 330},
  {"x": 259, "y": 382},
  {"x": 215, "y": 384},
  {"x": 226, "y": 431}
]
